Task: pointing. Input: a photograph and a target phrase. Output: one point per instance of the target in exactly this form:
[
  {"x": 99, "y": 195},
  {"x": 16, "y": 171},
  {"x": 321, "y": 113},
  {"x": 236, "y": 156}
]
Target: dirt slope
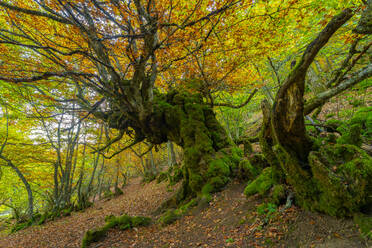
[{"x": 230, "y": 221}]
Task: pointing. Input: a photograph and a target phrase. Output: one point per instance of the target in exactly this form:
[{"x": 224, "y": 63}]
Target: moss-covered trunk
[
  {"x": 334, "y": 179},
  {"x": 209, "y": 157}
]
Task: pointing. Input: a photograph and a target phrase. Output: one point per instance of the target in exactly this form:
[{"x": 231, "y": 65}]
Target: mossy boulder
[
  {"x": 247, "y": 170},
  {"x": 94, "y": 235},
  {"x": 122, "y": 222},
  {"x": 355, "y": 131},
  {"x": 363, "y": 117},
  {"x": 343, "y": 176},
  {"x": 261, "y": 184},
  {"x": 352, "y": 136}
]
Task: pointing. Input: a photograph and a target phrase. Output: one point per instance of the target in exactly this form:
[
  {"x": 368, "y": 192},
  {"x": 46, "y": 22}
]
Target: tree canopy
[{"x": 99, "y": 77}]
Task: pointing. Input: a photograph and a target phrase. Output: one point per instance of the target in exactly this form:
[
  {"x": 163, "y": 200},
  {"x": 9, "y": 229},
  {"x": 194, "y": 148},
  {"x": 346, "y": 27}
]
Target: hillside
[{"x": 230, "y": 221}]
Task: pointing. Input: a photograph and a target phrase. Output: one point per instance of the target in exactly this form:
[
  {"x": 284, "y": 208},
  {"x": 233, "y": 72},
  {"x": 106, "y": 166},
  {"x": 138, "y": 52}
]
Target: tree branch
[
  {"x": 34, "y": 13},
  {"x": 237, "y": 106},
  {"x": 321, "y": 98}
]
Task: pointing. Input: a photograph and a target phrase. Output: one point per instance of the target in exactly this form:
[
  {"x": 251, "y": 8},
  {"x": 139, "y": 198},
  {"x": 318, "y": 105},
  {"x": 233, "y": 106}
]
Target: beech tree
[{"x": 124, "y": 59}]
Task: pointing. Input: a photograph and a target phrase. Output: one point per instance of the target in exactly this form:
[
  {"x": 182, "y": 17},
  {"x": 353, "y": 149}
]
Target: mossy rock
[
  {"x": 94, "y": 235},
  {"x": 261, "y": 184},
  {"x": 214, "y": 184},
  {"x": 363, "y": 117},
  {"x": 122, "y": 222},
  {"x": 343, "y": 175},
  {"x": 359, "y": 127},
  {"x": 247, "y": 170},
  {"x": 352, "y": 136}
]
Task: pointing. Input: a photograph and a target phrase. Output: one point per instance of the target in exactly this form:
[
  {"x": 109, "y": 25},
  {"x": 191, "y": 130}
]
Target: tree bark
[
  {"x": 288, "y": 123},
  {"x": 184, "y": 119},
  {"x": 25, "y": 183},
  {"x": 323, "y": 97}
]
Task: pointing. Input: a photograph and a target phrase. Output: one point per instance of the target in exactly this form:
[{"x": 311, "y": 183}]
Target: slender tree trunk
[
  {"x": 25, "y": 183},
  {"x": 171, "y": 154}
]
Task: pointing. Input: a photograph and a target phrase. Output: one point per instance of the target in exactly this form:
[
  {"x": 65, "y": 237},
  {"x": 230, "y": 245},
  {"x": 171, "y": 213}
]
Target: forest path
[
  {"x": 68, "y": 231},
  {"x": 230, "y": 221}
]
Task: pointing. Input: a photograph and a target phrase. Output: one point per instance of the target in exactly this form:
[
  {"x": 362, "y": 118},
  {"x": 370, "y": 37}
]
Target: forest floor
[{"x": 231, "y": 220}]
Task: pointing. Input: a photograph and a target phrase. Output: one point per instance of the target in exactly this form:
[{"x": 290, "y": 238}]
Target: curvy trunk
[{"x": 285, "y": 143}]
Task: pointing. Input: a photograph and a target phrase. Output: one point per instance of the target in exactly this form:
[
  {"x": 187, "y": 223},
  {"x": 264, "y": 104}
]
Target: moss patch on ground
[{"x": 122, "y": 222}]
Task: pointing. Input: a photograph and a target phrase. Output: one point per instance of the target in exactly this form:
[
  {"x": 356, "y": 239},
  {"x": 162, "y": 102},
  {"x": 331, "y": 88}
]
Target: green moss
[
  {"x": 258, "y": 160},
  {"x": 357, "y": 128},
  {"x": 218, "y": 167},
  {"x": 330, "y": 115},
  {"x": 236, "y": 154},
  {"x": 278, "y": 194},
  {"x": 196, "y": 181},
  {"x": 364, "y": 223},
  {"x": 20, "y": 226},
  {"x": 192, "y": 124},
  {"x": 94, "y": 235},
  {"x": 363, "y": 117},
  {"x": 214, "y": 185},
  {"x": 162, "y": 177},
  {"x": 172, "y": 215},
  {"x": 42, "y": 219},
  {"x": 175, "y": 174},
  {"x": 334, "y": 123},
  {"x": 261, "y": 184},
  {"x": 140, "y": 221},
  {"x": 298, "y": 177},
  {"x": 183, "y": 209},
  {"x": 247, "y": 170},
  {"x": 343, "y": 175},
  {"x": 169, "y": 217},
  {"x": 352, "y": 136},
  {"x": 248, "y": 149},
  {"x": 122, "y": 222}
]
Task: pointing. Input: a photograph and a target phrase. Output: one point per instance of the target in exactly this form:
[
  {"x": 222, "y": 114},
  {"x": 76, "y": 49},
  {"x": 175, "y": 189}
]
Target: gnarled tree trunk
[
  {"x": 284, "y": 137},
  {"x": 209, "y": 157}
]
